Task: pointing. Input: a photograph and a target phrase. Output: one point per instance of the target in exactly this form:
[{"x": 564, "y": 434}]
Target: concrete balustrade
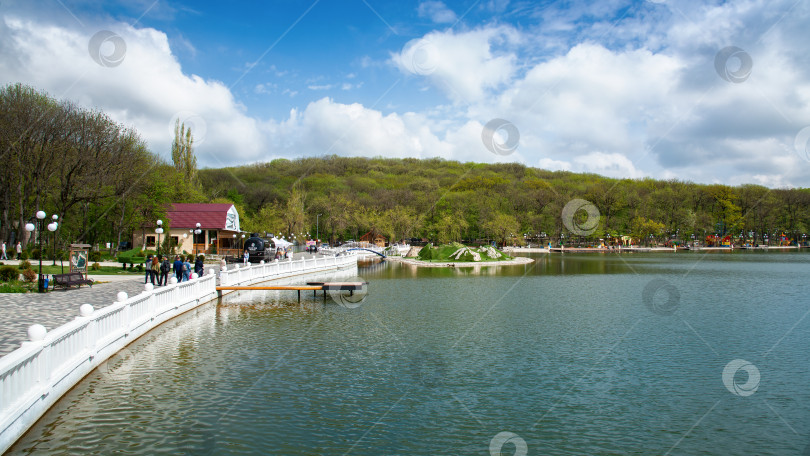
[{"x": 36, "y": 375}]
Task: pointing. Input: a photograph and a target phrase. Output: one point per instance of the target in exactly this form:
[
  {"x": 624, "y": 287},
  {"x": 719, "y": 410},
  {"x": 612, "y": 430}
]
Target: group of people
[
  {"x": 4, "y": 255},
  {"x": 159, "y": 267}
]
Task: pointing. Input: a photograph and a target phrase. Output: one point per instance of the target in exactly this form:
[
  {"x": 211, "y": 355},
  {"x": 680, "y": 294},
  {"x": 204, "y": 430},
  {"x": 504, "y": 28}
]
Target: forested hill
[{"x": 446, "y": 200}]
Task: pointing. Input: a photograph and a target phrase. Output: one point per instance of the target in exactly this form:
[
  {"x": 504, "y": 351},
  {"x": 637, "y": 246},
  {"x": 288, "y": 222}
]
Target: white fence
[
  {"x": 36, "y": 375},
  {"x": 234, "y": 276}
]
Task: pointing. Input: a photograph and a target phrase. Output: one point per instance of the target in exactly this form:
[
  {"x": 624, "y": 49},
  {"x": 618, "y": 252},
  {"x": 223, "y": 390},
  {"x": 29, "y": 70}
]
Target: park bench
[{"x": 70, "y": 279}]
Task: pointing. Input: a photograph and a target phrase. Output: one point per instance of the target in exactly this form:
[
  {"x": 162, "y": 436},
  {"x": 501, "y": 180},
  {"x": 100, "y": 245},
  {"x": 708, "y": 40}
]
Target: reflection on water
[{"x": 570, "y": 354}]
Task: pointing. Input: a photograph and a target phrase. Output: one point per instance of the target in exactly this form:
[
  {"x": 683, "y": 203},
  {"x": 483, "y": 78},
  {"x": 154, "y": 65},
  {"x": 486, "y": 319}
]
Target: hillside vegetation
[{"x": 444, "y": 201}]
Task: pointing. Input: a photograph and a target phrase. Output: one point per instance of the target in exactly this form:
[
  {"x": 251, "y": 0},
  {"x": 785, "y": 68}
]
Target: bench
[{"x": 70, "y": 279}]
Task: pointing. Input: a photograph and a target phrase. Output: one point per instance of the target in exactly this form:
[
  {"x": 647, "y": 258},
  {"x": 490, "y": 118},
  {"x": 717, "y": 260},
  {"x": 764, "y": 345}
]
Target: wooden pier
[{"x": 351, "y": 287}]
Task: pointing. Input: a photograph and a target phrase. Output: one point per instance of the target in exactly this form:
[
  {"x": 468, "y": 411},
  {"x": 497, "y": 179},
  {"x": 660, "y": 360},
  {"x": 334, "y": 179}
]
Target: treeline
[
  {"x": 444, "y": 201},
  {"x": 106, "y": 186},
  {"x": 97, "y": 175}
]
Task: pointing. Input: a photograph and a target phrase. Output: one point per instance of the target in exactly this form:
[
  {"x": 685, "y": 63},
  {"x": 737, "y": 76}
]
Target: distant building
[
  {"x": 219, "y": 226},
  {"x": 374, "y": 239}
]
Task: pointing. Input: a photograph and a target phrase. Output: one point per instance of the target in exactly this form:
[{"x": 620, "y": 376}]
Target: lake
[{"x": 665, "y": 353}]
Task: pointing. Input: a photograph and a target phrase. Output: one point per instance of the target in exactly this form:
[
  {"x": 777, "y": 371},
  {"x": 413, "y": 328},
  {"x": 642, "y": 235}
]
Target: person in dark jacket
[
  {"x": 165, "y": 267},
  {"x": 178, "y": 268},
  {"x": 198, "y": 266}
]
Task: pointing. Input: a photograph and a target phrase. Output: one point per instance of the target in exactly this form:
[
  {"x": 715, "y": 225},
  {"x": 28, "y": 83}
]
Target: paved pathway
[{"x": 18, "y": 311}]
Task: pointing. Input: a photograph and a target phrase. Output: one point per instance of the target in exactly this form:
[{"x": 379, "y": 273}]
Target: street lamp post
[
  {"x": 318, "y": 227},
  {"x": 158, "y": 231},
  {"x": 55, "y": 225},
  {"x": 196, "y": 233},
  {"x": 30, "y": 227}
]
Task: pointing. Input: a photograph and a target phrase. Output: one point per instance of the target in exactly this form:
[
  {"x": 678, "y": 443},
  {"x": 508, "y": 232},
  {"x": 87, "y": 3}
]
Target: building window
[
  {"x": 212, "y": 236},
  {"x": 174, "y": 241},
  {"x": 150, "y": 241}
]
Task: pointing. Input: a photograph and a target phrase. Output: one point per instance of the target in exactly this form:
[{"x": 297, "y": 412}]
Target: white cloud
[
  {"x": 652, "y": 106},
  {"x": 436, "y": 11},
  {"x": 463, "y": 65},
  {"x": 56, "y": 59}
]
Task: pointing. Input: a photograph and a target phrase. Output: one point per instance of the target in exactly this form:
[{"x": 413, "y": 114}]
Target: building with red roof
[{"x": 219, "y": 228}]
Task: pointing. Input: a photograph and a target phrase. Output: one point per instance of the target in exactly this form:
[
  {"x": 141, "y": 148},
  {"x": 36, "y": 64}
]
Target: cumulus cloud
[
  {"x": 466, "y": 66},
  {"x": 652, "y": 106},
  {"x": 146, "y": 90},
  {"x": 437, "y": 12}
]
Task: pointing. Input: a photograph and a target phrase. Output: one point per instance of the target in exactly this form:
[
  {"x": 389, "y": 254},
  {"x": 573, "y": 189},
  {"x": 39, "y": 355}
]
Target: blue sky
[{"x": 619, "y": 88}]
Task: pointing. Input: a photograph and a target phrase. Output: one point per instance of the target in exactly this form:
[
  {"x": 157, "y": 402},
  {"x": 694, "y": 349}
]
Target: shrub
[
  {"x": 24, "y": 255},
  {"x": 95, "y": 267},
  {"x": 24, "y": 264},
  {"x": 94, "y": 256},
  {"x": 34, "y": 253},
  {"x": 140, "y": 267},
  {"x": 29, "y": 275},
  {"x": 9, "y": 273}
]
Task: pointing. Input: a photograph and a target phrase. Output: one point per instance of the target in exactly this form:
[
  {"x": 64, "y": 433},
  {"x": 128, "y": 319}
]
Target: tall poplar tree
[{"x": 183, "y": 152}]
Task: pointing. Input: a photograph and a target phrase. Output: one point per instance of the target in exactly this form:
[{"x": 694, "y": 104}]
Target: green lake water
[{"x": 686, "y": 353}]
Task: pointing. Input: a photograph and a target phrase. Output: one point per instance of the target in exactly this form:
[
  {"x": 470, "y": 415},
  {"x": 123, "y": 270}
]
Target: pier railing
[
  {"x": 36, "y": 375},
  {"x": 236, "y": 275}
]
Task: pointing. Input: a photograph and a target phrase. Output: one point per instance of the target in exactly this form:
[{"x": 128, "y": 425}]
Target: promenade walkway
[{"x": 18, "y": 311}]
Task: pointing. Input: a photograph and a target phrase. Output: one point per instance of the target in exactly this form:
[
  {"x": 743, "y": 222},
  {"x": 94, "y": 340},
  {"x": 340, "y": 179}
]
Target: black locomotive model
[{"x": 259, "y": 249}]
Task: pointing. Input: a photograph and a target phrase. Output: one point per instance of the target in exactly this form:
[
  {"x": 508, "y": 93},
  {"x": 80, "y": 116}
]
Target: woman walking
[{"x": 154, "y": 269}]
